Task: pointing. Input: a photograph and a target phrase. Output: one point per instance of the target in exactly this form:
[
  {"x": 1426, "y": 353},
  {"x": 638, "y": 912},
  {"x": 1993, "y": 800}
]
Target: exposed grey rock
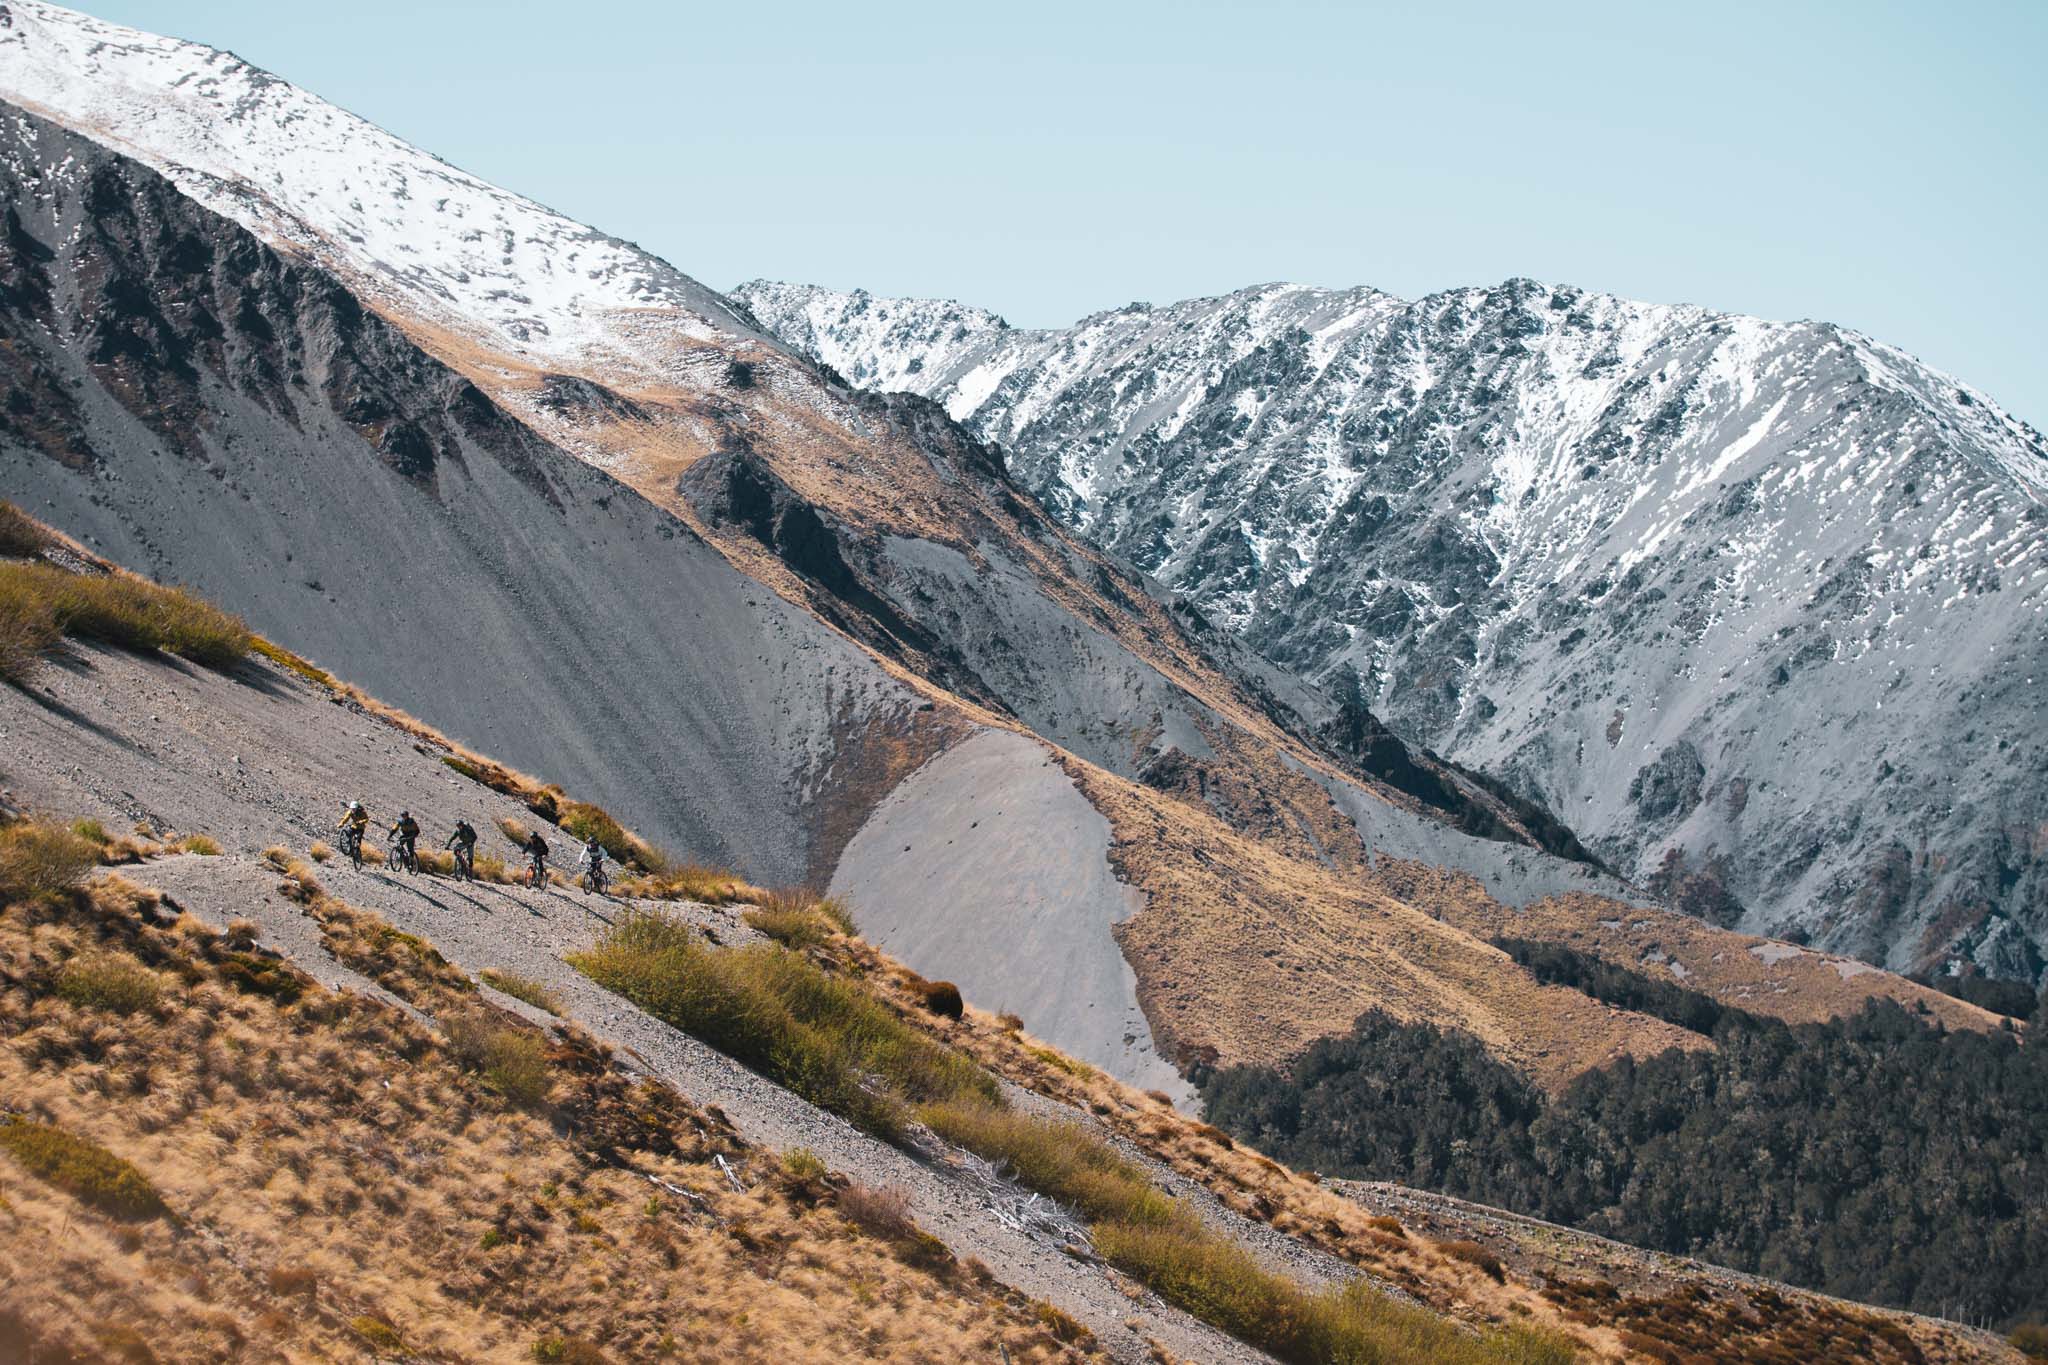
[{"x": 1557, "y": 535}]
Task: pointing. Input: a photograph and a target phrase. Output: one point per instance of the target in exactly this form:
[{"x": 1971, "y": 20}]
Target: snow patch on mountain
[
  {"x": 1757, "y": 607},
  {"x": 437, "y": 243}
]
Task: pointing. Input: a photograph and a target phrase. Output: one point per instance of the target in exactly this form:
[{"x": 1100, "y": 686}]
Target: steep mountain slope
[
  {"x": 592, "y": 1192},
  {"x": 1756, "y": 608},
  {"x": 652, "y": 551}
]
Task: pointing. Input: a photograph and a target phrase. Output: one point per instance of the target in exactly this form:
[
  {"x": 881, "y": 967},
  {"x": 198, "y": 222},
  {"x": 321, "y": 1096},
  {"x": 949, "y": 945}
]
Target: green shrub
[
  {"x": 108, "y": 981},
  {"x": 37, "y": 859},
  {"x": 254, "y": 974},
  {"x": 557, "y": 1350},
  {"x": 2030, "y": 1339},
  {"x": 82, "y": 1168},
  {"x": 512, "y": 1061},
  {"x": 131, "y": 612},
  {"x": 524, "y": 988},
  {"x": 91, "y": 830}
]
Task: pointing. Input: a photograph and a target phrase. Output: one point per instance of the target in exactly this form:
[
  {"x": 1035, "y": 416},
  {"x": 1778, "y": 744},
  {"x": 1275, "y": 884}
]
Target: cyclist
[
  {"x": 463, "y": 844},
  {"x": 406, "y": 831},
  {"x": 536, "y": 850},
  {"x": 354, "y": 821},
  {"x": 592, "y": 865}
]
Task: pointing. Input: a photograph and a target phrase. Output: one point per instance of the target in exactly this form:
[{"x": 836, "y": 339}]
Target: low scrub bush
[
  {"x": 801, "y": 1164},
  {"x": 40, "y": 859},
  {"x": 82, "y": 1168},
  {"x": 108, "y": 981},
  {"x": 512, "y": 1061},
  {"x": 320, "y": 852},
  {"x": 522, "y": 988},
  {"x": 772, "y": 1009},
  {"x": 1473, "y": 1254},
  {"x": 883, "y": 1213},
  {"x": 941, "y": 998},
  {"x": 288, "y": 1281},
  {"x": 203, "y": 845},
  {"x": 554, "y": 1350},
  {"x": 254, "y": 974},
  {"x": 130, "y": 612}
]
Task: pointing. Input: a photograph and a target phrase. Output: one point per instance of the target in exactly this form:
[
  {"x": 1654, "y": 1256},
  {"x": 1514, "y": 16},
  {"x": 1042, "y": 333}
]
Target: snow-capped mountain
[
  {"x": 1756, "y": 607},
  {"x": 394, "y": 221}
]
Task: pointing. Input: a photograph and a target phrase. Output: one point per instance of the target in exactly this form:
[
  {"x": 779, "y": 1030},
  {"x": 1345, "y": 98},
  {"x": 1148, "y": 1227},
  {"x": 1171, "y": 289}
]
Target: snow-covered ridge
[
  {"x": 1771, "y": 596},
  {"x": 433, "y": 241}
]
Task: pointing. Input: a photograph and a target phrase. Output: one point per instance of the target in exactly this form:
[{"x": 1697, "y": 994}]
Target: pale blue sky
[{"x": 1881, "y": 165}]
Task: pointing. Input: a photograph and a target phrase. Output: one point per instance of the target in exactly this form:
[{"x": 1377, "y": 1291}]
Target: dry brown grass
[
  {"x": 524, "y": 988},
  {"x": 361, "y": 1191},
  {"x": 21, "y": 535}
]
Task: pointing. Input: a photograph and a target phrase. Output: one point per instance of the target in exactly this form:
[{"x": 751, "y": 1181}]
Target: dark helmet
[{"x": 405, "y": 815}]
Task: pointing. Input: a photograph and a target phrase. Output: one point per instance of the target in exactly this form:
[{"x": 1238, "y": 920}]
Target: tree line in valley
[{"x": 1876, "y": 1157}]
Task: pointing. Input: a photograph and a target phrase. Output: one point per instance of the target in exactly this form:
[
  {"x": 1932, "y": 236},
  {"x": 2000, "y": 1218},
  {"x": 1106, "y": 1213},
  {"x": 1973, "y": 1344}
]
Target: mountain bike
[
  {"x": 352, "y": 844},
  {"x": 465, "y": 863},
  {"x": 595, "y": 878},
  {"x": 536, "y": 871},
  {"x": 399, "y": 856}
]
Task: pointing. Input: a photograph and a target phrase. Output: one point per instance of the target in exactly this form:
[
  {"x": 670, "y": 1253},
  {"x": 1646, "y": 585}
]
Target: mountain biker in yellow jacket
[{"x": 355, "y": 820}]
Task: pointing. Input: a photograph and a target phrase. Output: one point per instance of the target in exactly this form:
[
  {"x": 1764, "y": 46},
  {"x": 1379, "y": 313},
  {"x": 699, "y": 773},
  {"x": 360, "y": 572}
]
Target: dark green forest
[{"x": 1876, "y": 1157}]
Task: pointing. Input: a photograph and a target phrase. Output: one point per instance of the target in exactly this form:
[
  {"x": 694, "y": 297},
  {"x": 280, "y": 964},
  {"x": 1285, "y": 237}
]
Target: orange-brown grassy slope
[
  {"x": 1691, "y": 1313},
  {"x": 1244, "y": 952},
  {"x": 340, "y": 1181},
  {"x": 1763, "y": 976}
]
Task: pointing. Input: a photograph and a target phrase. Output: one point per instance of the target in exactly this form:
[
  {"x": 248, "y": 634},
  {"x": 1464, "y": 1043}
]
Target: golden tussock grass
[
  {"x": 39, "y": 858},
  {"x": 797, "y": 918},
  {"x": 818, "y": 1034},
  {"x": 806, "y": 1021},
  {"x": 524, "y": 988},
  {"x": 21, "y": 535},
  {"x": 1244, "y": 1180},
  {"x": 117, "y": 609},
  {"x": 362, "y": 1188}
]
